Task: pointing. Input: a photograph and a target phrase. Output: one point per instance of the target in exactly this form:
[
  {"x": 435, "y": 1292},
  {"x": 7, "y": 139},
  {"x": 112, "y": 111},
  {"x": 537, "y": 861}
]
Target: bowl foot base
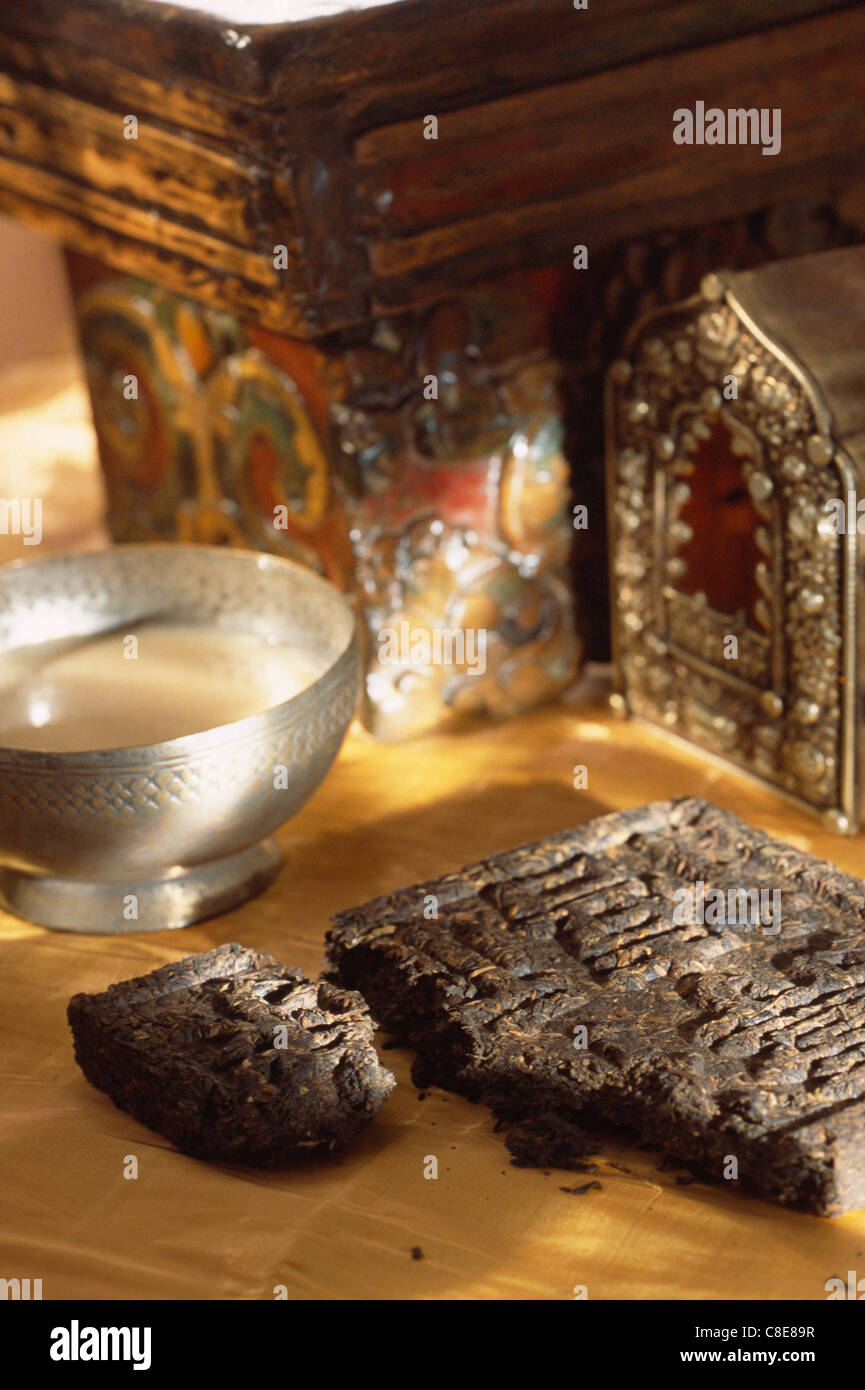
[{"x": 181, "y": 897}]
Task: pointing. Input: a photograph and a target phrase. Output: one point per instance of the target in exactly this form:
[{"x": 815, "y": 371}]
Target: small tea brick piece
[
  {"x": 233, "y": 1056},
  {"x": 563, "y": 985}
]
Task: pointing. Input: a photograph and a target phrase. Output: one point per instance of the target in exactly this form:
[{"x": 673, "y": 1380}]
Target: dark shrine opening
[{"x": 721, "y": 556}]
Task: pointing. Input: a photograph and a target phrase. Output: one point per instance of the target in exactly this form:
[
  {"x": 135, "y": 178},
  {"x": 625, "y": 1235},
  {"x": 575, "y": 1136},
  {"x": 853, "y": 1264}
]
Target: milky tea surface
[{"x": 107, "y": 691}]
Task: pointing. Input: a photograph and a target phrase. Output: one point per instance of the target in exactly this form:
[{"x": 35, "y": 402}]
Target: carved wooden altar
[{"x": 327, "y": 277}]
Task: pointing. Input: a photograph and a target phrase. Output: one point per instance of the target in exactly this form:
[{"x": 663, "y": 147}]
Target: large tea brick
[{"x": 563, "y": 985}]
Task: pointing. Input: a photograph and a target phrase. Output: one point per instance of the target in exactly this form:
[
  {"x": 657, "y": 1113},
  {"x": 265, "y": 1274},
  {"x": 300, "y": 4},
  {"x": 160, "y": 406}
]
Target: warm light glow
[
  {"x": 249, "y": 12},
  {"x": 592, "y": 733},
  {"x": 39, "y": 712}
]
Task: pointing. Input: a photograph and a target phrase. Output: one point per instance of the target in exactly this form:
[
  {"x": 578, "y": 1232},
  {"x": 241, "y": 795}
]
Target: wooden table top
[{"x": 345, "y": 1227}]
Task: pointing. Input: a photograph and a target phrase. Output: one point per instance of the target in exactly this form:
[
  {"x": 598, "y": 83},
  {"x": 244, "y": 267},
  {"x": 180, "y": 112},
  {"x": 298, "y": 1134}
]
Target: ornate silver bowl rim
[{"x": 237, "y": 731}]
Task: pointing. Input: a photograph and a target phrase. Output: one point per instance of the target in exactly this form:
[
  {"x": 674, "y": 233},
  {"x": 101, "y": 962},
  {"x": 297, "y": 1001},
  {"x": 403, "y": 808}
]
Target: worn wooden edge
[
  {"x": 314, "y": 183},
  {"x": 453, "y": 41},
  {"x": 580, "y": 134},
  {"x": 184, "y": 274}
]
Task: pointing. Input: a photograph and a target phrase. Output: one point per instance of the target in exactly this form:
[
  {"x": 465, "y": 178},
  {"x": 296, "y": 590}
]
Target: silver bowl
[{"x": 146, "y": 838}]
